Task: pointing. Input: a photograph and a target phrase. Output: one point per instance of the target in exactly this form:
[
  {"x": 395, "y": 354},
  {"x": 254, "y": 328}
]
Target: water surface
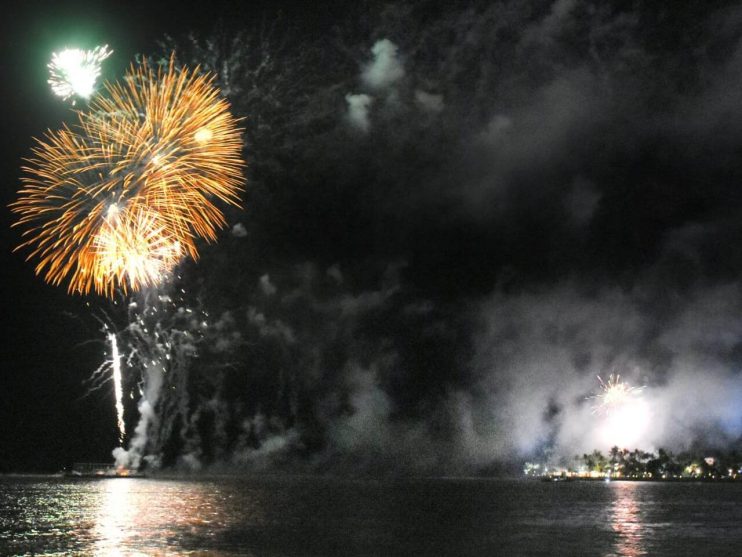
[{"x": 324, "y": 517}]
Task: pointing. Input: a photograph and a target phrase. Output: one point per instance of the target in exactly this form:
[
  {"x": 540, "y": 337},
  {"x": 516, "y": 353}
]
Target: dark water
[{"x": 323, "y": 517}]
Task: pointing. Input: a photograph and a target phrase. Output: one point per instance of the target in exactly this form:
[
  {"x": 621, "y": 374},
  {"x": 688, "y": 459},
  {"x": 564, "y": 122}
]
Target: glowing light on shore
[
  {"x": 117, "y": 385},
  {"x": 74, "y": 72}
]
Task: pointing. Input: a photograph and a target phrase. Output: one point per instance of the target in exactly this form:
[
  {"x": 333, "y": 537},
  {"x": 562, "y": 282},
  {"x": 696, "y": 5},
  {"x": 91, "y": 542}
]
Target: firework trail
[
  {"x": 117, "y": 200},
  {"x": 110, "y": 370},
  {"x": 117, "y": 386},
  {"x": 73, "y": 72}
]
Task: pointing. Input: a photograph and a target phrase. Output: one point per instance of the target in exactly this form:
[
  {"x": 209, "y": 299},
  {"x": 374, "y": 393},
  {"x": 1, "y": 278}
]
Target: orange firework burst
[
  {"x": 134, "y": 249},
  {"x": 118, "y": 199}
]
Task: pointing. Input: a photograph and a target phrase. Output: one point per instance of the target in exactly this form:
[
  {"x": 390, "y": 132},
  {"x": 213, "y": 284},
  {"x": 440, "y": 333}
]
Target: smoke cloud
[
  {"x": 386, "y": 69},
  {"x": 541, "y": 193},
  {"x": 358, "y": 108}
]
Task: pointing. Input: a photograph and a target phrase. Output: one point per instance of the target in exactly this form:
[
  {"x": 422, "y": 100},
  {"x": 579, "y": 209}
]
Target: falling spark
[
  {"x": 117, "y": 386},
  {"x": 160, "y": 340},
  {"x": 73, "y": 71},
  {"x": 117, "y": 200}
]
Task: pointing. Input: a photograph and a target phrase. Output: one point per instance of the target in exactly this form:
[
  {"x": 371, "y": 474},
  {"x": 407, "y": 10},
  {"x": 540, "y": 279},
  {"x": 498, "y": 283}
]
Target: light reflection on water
[
  {"x": 130, "y": 510},
  {"x": 114, "y": 520},
  {"x": 282, "y": 517},
  {"x": 626, "y": 520}
]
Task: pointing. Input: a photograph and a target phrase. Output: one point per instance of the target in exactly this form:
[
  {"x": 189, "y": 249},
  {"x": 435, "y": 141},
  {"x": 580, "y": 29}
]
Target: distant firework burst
[
  {"x": 74, "y": 72},
  {"x": 613, "y": 392},
  {"x": 118, "y": 199},
  {"x": 624, "y": 414}
]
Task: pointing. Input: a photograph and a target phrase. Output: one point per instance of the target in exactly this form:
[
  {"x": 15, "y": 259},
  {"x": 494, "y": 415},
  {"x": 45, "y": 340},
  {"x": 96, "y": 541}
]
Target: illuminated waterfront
[{"x": 317, "y": 516}]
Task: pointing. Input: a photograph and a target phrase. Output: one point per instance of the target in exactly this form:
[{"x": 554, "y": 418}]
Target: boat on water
[{"x": 101, "y": 470}]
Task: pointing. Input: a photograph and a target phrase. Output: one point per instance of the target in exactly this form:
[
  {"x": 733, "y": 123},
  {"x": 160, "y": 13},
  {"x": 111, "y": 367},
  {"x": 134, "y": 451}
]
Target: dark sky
[
  {"x": 47, "y": 351},
  {"x": 456, "y": 217}
]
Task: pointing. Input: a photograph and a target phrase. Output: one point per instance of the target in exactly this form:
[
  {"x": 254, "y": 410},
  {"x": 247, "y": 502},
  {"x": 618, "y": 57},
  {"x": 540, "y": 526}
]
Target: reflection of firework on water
[
  {"x": 145, "y": 166},
  {"x": 73, "y": 71},
  {"x": 613, "y": 393}
]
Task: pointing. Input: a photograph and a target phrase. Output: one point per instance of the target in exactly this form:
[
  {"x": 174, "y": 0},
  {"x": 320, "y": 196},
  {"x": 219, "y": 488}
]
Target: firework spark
[
  {"x": 73, "y": 71},
  {"x": 613, "y": 393},
  {"x": 117, "y": 200}
]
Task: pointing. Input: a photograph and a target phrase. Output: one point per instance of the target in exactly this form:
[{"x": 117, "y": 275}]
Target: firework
[
  {"x": 135, "y": 249},
  {"x": 117, "y": 200},
  {"x": 624, "y": 414},
  {"x": 613, "y": 393},
  {"x": 73, "y": 72}
]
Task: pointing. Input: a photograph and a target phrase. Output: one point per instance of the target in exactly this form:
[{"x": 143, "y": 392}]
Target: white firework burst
[{"x": 74, "y": 72}]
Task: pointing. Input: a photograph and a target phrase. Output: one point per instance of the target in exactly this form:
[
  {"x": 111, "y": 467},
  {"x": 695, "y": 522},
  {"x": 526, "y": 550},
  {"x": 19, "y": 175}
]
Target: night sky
[{"x": 455, "y": 217}]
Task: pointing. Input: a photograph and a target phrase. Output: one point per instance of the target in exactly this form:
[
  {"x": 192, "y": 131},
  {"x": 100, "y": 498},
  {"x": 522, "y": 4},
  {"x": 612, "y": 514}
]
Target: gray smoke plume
[{"x": 540, "y": 193}]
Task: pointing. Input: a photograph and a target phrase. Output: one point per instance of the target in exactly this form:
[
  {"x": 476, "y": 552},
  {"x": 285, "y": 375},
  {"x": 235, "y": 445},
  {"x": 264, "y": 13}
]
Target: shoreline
[{"x": 557, "y": 479}]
